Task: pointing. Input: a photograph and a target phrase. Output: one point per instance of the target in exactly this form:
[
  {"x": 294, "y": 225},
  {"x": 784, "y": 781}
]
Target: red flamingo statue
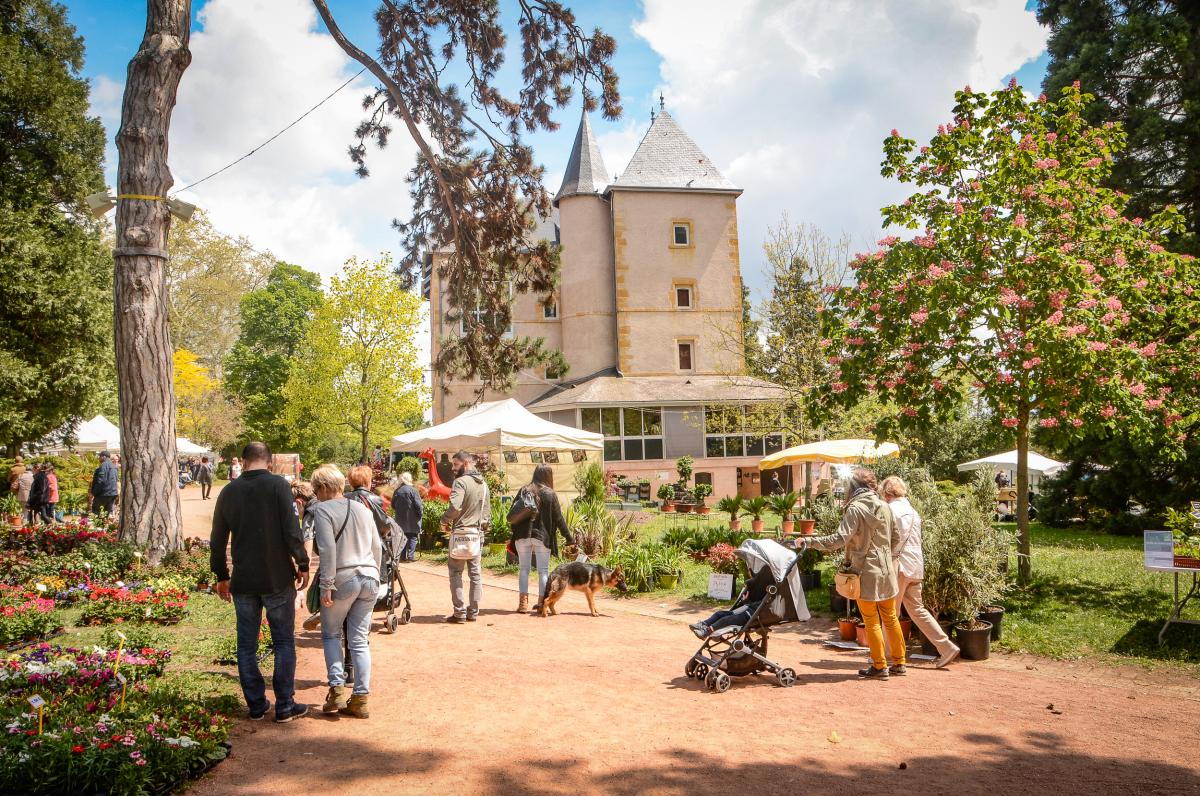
[{"x": 436, "y": 488}]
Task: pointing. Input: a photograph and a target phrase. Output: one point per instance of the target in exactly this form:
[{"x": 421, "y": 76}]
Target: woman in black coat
[{"x": 537, "y": 537}]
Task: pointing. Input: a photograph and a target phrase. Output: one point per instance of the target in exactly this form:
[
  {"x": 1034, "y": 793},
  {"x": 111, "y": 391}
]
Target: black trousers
[
  {"x": 205, "y": 489},
  {"x": 104, "y": 504}
]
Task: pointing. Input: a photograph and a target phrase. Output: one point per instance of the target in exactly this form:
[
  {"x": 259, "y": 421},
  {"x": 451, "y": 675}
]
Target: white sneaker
[{"x": 945, "y": 659}]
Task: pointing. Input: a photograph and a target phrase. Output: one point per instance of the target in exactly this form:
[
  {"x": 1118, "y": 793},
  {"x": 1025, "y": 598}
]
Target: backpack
[{"x": 524, "y": 507}]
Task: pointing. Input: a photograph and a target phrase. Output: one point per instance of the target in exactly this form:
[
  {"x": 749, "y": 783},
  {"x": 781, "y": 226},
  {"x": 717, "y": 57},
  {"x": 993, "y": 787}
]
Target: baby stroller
[
  {"x": 391, "y": 590},
  {"x": 740, "y": 650}
]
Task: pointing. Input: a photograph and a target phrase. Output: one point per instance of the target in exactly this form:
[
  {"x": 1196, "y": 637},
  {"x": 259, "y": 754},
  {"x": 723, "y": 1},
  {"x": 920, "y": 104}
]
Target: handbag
[
  {"x": 524, "y": 507},
  {"x": 313, "y": 596},
  {"x": 465, "y": 544},
  {"x": 847, "y": 584}
]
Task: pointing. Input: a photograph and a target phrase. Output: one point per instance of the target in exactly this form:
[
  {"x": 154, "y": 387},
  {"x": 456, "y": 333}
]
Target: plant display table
[{"x": 1175, "y": 618}]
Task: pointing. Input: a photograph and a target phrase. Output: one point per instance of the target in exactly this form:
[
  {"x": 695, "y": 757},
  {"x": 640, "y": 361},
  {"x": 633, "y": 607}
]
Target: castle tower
[{"x": 587, "y": 305}]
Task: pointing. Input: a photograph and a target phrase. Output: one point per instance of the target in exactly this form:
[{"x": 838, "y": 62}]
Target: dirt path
[{"x": 518, "y": 704}]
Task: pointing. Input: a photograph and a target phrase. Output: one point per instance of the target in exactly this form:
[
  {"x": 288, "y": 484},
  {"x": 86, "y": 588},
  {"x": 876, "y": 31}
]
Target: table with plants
[{"x": 1184, "y": 560}]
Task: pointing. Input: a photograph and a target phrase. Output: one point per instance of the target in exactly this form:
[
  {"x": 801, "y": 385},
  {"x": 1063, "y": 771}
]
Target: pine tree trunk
[
  {"x": 150, "y": 514},
  {"x": 1024, "y": 562}
]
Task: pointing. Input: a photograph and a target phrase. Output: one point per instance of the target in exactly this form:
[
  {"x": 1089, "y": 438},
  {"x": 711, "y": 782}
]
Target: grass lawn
[{"x": 1092, "y": 597}]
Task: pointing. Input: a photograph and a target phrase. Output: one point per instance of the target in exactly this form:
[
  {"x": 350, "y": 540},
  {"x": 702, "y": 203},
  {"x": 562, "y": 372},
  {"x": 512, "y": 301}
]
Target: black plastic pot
[
  {"x": 994, "y": 615},
  {"x": 927, "y": 647},
  {"x": 837, "y": 603},
  {"x": 811, "y": 581},
  {"x": 976, "y": 644}
]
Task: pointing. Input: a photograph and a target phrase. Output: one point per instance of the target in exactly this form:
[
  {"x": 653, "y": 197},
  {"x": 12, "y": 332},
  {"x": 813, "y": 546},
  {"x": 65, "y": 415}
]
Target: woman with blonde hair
[
  {"x": 351, "y": 555},
  {"x": 910, "y": 568}
]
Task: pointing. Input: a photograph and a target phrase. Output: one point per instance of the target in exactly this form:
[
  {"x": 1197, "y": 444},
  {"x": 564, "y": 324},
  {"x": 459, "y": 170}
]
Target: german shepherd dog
[{"x": 587, "y": 578}]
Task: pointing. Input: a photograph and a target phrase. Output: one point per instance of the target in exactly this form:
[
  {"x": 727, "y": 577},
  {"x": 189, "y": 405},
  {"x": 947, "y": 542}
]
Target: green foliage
[
  {"x": 136, "y": 637},
  {"x": 756, "y": 507},
  {"x": 358, "y": 371},
  {"x": 781, "y": 505},
  {"x": 432, "y": 510},
  {"x": 731, "y": 505},
  {"x": 410, "y": 464},
  {"x": 666, "y": 492},
  {"x": 702, "y": 538},
  {"x": 499, "y": 530},
  {"x": 274, "y": 323},
  {"x": 684, "y": 465},
  {"x": 590, "y": 484},
  {"x": 702, "y": 491},
  {"x": 644, "y": 564},
  {"x": 597, "y": 531}
]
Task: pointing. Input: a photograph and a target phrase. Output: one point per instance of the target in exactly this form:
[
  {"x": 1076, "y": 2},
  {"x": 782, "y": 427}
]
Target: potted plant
[
  {"x": 810, "y": 577},
  {"x": 847, "y": 628},
  {"x": 666, "y": 493},
  {"x": 732, "y": 505},
  {"x": 702, "y": 491},
  {"x": 643, "y": 489},
  {"x": 1186, "y": 536},
  {"x": 10, "y": 507},
  {"x": 807, "y": 521},
  {"x": 668, "y": 566},
  {"x": 781, "y": 506},
  {"x": 684, "y": 466},
  {"x": 755, "y": 508}
]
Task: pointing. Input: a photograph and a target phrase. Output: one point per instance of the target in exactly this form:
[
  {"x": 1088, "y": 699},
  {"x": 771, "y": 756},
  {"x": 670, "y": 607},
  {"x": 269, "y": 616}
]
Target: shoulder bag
[
  {"x": 524, "y": 507},
  {"x": 313, "y": 597},
  {"x": 847, "y": 584}
]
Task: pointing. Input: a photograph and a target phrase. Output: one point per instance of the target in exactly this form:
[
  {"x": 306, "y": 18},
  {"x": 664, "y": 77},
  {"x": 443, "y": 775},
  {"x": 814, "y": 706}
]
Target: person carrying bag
[{"x": 464, "y": 523}]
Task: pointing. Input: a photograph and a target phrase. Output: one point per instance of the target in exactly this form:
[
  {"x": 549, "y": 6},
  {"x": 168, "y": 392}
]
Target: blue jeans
[
  {"x": 723, "y": 619},
  {"x": 409, "y": 551},
  {"x": 353, "y": 603},
  {"x": 281, "y": 617},
  {"x": 528, "y": 549}
]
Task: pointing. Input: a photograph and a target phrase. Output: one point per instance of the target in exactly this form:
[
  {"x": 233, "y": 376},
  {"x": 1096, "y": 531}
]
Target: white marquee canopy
[
  {"x": 1038, "y": 464},
  {"x": 500, "y": 424}
]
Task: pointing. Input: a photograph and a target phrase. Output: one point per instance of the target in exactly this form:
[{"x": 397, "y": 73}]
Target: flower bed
[
  {"x": 89, "y": 742},
  {"x": 106, "y": 605},
  {"x": 192, "y": 564},
  {"x": 57, "y": 539},
  {"x": 26, "y": 617}
]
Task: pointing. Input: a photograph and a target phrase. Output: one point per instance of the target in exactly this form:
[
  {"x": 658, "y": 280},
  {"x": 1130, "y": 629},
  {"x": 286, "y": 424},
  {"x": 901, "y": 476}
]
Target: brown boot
[
  {"x": 357, "y": 707},
  {"x": 336, "y": 699},
  {"x": 523, "y": 604}
]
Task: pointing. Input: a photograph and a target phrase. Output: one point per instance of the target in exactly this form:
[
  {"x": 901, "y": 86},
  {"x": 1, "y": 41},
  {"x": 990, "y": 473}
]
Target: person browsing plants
[{"x": 463, "y": 522}]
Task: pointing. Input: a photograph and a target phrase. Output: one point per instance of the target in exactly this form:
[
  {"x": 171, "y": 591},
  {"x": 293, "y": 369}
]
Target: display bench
[{"x": 1159, "y": 547}]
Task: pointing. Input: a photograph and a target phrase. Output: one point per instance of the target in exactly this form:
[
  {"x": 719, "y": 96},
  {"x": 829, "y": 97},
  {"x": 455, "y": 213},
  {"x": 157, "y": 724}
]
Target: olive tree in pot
[
  {"x": 781, "y": 505},
  {"x": 962, "y": 553},
  {"x": 732, "y": 505}
]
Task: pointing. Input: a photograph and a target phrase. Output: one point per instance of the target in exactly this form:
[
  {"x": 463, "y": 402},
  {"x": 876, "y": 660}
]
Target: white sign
[
  {"x": 720, "y": 587},
  {"x": 36, "y": 701},
  {"x": 121, "y": 636},
  {"x": 1159, "y": 549}
]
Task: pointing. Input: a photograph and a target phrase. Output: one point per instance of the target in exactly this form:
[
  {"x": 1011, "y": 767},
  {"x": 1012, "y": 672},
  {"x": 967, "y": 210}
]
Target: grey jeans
[
  {"x": 474, "y": 571},
  {"x": 910, "y": 597}
]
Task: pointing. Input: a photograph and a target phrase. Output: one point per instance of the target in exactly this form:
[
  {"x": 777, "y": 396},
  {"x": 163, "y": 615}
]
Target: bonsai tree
[
  {"x": 702, "y": 491},
  {"x": 684, "y": 466},
  {"x": 731, "y": 505},
  {"x": 666, "y": 493}
]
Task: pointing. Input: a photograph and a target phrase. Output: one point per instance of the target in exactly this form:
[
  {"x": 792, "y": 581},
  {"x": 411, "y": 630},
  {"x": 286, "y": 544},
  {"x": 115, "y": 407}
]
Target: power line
[{"x": 272, "y": 138}]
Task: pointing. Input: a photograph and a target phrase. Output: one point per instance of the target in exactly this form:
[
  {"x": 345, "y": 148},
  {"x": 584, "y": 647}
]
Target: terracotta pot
[
  {"x": 806, "y": 526},
  {"x": 15, "y": 522},
  {"x": 683, "y": 508},
  {"x": 846, "y": 629},
  {"x": 860, "y": 634},
  {"x": 735, "y": 525},
  {"x": 788, "y": 525},
  {"x": 703, "y": 509},
  {"x": 668, "y": 508},
  {"x": 757, "y": 525}
]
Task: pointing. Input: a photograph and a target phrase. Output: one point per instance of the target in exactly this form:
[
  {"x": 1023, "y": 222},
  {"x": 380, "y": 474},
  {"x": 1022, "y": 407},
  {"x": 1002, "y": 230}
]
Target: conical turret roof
[
  {"x": 667, "y": 158},
  {"x": 585, "y": 170}
]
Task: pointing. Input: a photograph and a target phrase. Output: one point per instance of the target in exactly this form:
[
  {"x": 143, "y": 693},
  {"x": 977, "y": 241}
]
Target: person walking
[
  {"x": 360, "y": 485},
  {"x": 868, "y": 533},
  {"x": 536, "y": 537},
  {"x": 39, "y": 494},
  {"x": 235, "y": 468},
  {"x": 351, "y": 556},
  {"x": 408, "y": 509},
  {"x": 256, "y": 520},
  {"x": 24, "y": 488},
  {"x": 205, "y": 477},
  {"x": 464, "y": 522},
  {"x": 910, "y": 568},
  {"x": 52, "y": 500},
  {"x": 15, "y": 472},
  {"x": 103, "y": 490}
]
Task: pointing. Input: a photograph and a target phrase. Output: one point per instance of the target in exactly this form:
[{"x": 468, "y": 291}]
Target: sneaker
[
  {"x": 700, "y": 630},
  {"x": 871, "y": 673},
  {"x": 296, "y": 711},
  {"x": 897, "y": 670},
  {"x": 312, "y": 622},
  {"x": 941, "y": 662},
  {"x": 256, "y": 716},
  {"x": 455, "y": 619},
  {"x": 473, "y": 618}
]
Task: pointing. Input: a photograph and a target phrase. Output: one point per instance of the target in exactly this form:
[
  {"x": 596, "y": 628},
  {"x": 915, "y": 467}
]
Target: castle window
[
  {"x": 549, "y": 309},
  {"x": 685, "y": 356},
  {"x": 681, "y": 234},
  {"x": 683, "y": 297},
  {"x": 478, "y": 315}
]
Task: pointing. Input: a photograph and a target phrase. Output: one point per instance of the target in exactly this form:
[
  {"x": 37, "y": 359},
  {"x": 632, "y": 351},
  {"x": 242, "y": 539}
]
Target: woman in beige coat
[{"x": 869, "y": 535}]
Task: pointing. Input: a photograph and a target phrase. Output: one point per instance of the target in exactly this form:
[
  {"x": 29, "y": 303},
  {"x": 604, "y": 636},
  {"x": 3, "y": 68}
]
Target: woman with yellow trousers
[{"x": 869, "y": 534}]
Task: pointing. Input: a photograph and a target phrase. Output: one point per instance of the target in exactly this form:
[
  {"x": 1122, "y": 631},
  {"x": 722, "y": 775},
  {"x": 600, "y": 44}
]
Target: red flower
[{"x": 77, "y": 749}]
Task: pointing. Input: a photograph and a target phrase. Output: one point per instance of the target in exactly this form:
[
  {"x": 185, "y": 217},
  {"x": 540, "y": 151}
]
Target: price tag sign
[
  {"x": 122, "y": 636},
  {"x": 37, "y": 702},
  {"x": 1159, "y": 549},
  {"x": 41, "y": 587},
  {"x": 720, "y": 587},
  {"x": 149, "y": 612}
]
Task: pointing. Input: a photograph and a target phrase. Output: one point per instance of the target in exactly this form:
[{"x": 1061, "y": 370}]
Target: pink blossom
[
  {"x": 839, "y": 386},
  {"x": 1092, "y": 163},
  {"x": 958, "y": 208},
  {"x": 908, "y": 411},
  {"x": 1026, "y": 144},
  {"x": 890, "y": 240},
  {"x": 875, "y": 307},
  {"x": 1077, "y": 329},
  {"x": 1109, "y": 212},
  {"x": 1076, "y": 422},
  {"x": 1019, "y": 221},
  {"x": 920, "y": 316},
  {"x": 1114, "y": 303},
  {"x": 1096, "y": 345},
  {"x": 1137, "y": 389},
  {"x": 1010, "y": 422},
  {"x": 1108, "y": 412},
  {"x": 1150, "y": 350},
  {"x": 1031, "y": 363},
  {"x": 1055, "y": 318},
  {"x": 1141, "y": 284},
  {"x": 925, "y": 241},
  {"x": 1046, "y": 163},
  {"x": 1051, "y": 137},
  {"x": 825, "y": 342},
  {"x": 1157, "y": 249},
  {"x": 855, "y": 341},
  {"x": 1087, "y": 304},
  {"x": 1048, "y": 422},
  {"x": 1153, "y": 403},
  {"x": 936, "y": 272},
  {"x": 1008, "y": 297}
]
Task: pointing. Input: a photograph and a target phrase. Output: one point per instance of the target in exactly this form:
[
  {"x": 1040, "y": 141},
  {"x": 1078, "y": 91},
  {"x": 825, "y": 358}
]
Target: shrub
[
  {"x": 665, "y": 493},
  {"x": 591, "y": 483},
  {"x": 597, "y": 533},
  {"x": 499, "y": 530},
  {"x": 410, "y": 464},
  {"x": 721, "y": 558},
  {"x": 643, "y": 564},
  {"x": 731, "y": 505}
]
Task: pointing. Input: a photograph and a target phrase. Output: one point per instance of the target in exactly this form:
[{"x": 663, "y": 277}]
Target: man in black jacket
[
  {"x": 256, "y": 518},
  {"x": 104, "y": 486}
]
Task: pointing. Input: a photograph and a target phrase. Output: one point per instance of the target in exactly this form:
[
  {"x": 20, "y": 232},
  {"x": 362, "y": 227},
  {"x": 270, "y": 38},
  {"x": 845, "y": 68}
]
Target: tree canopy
[
  {"x": 1025, "y": 283},
  {"x": 476, "y": 188},
  {"x": 55, "y": 274},
  {"x": 358, "y": 372}
]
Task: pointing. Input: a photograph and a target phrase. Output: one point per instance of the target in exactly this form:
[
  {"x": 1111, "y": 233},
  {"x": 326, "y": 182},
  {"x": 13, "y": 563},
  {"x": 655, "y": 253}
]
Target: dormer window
[{"x": 681, "y": 234}]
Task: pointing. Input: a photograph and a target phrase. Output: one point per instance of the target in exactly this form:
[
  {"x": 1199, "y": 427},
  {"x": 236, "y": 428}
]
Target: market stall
[
  {"x": 515, "y": 439},
  {"x": 828, "y": 461},
  {"x": 1039, "y": 466}
]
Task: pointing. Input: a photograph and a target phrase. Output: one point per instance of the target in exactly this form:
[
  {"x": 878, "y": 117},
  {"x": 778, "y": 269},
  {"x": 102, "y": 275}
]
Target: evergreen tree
[
  {"x": 55, "y": 273},
  {"x": 1141, "y": 59}
]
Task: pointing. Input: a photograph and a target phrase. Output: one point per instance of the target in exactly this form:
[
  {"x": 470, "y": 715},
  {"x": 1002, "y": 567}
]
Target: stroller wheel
[
  {"x": 406, "y": 615},
  {"x": 690, "y": 668},
  {"x": 786, "y": 677},
  {"x": 701, "y": 671},
  {"x": 719, "y": 681},
  {"x": 392, "y": 622}
]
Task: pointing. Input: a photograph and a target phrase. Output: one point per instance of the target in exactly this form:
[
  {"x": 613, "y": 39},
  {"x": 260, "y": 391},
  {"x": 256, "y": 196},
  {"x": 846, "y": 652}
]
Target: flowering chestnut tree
[{"x": 1025, "y": 287}]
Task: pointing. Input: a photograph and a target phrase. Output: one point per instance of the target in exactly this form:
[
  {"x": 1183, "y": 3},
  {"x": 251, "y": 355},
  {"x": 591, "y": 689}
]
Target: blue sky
[{"x": 789, "y": 98}]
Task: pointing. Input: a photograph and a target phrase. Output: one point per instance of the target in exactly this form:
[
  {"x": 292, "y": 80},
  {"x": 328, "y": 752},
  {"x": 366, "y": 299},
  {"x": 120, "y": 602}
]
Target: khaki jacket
[
  {"x": 872, "y": 541},
  {"x": 469, "y": 503}
]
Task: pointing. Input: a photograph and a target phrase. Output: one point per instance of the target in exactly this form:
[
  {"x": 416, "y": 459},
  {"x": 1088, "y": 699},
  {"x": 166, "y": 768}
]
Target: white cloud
[{"x": 793, "y": 99}]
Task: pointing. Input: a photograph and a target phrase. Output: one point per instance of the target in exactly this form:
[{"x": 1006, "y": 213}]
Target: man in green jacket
[
  {"x": 869, "y": 535},
  {"x": 466, "y": 520}
]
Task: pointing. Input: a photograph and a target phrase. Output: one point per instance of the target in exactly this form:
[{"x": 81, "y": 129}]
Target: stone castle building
[{"x": 648, "y": 315}]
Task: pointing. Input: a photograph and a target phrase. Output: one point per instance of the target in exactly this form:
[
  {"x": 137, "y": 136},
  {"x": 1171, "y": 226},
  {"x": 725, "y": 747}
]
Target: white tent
[
  {"x": 1039, "y": 466},
  {"x": 97, "y": 434},
  {"x": 185, "y": 447},
  {"x": 503, "y": 425}
]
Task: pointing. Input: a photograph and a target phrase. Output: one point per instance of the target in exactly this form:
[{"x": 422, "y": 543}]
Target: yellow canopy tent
[{"x": 830, "y": 451}]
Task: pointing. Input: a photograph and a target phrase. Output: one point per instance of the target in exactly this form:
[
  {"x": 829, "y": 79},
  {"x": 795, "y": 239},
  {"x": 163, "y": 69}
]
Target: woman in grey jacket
[
  {"x": 869, "y": 535},
  {"x": 351, "y": 554}
]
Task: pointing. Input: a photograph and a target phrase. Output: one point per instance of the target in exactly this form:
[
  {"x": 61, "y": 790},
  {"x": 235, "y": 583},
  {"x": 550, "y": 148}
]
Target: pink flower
[
  {"x": 1076, "y": 422},
  {"x": 1051, "y": 137},
  {"x": 1048, "y": 422},
  {"x": 1019, "y": 221},
  {"x": 1055, "y": 319},
  {"x": 839, "y": 386},
  {"x": 1154, "y": 403},
  {"x": 1010, "y": 422},
  {"x": 920, "y": 316},
  {"x": 895, "y": 133},
  {"x": 875, "y": 307},
  {"x": 1137, "y": 389},
  {"x": 1096, "y": 345},
  {"x": 1032, "y": 363},
  {"x": 936, "y": 272},
  {"x": 1114, "y": 303},
  {"x": 1108, "y": 412},
  {"x": 890, "y": 240},
  {"x": 958, "y": 208},
  {"x": 1092, "y": 163},
  {"x": 1008, "y": 297},
  {"x": 1046, "y": 163},
  {"x": 1150, "y": 350},
  {"x": 1109, "y": 212},
  {"x": 1087, "y": 304},
  {"x": 925, "y": 241},
  {"x": 826, "y": 342}
]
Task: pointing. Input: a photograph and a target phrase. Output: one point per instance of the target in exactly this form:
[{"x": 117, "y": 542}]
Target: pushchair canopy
[{"x": 759, "y": 553}]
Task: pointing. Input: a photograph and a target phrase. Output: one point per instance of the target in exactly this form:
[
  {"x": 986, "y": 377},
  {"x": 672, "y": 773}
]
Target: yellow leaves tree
[
  {"x": 203, "y": 413},
  {"x": 359, "y": 372}
]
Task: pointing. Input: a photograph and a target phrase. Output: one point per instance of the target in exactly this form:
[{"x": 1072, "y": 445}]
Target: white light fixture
[
  {"x": 100, "y": 203},
  {"x": 181, "y": 209}
]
